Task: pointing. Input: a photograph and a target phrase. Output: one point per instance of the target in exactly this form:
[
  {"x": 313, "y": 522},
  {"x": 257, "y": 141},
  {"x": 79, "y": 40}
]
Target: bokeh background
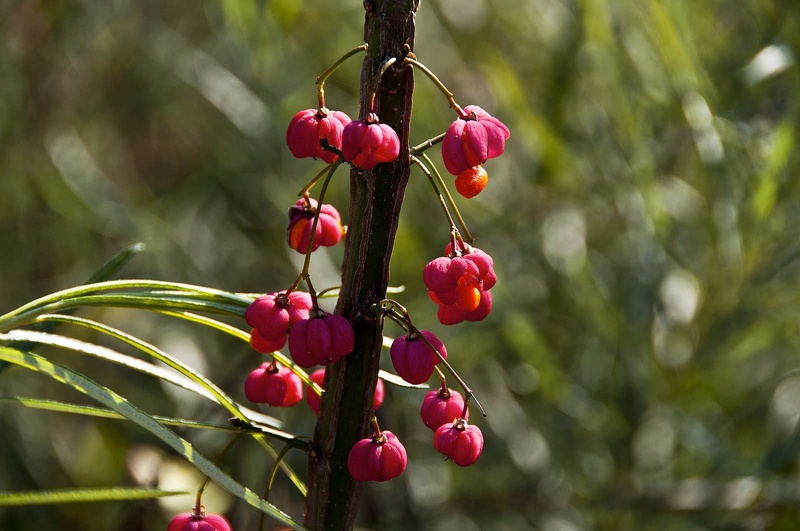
[{"x": 640, "y": 367}]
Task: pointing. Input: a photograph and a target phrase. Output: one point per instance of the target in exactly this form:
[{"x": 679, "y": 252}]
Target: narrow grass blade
[
  {"x": 106, "y": 271},
  {"x": 93, "y": 411},
  {"x": 112, "y": 400},
  {"x": 53, "y": 497}
]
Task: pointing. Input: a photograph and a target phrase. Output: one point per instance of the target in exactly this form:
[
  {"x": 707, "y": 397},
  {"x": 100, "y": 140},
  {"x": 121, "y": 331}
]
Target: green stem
[
  {"x": 326, "y": 74},
  {"x": 427, "y": 172},
  {"x": 449, "y": 95},
  {"x": 468, "y": 393},
  {"x": 307, "y": 262},
  {"x": 422, "y": 147},
  {"x": 449, "y": 197},
  {"x": 374, "y": 90},
  {"x": 307, "y": 188},
  {"x": 244, "y": 336},
  {"x": 271, "y": 479},
  {"x": 8, "y": 320},
  {"x": 198, "y": 506}
]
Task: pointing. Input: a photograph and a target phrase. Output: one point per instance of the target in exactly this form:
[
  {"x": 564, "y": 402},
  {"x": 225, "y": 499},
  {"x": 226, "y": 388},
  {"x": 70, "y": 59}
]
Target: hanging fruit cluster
[{"x": 459, "y": 282}]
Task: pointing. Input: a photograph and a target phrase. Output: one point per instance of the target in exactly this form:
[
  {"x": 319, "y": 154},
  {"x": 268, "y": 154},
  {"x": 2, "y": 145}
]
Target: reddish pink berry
[
  {"x": 321, "y": 340},
  {"x": 450, "y": 314},
  {"x": 318, "y": 377},
  {"x": 273, "y": 385},
  {"x": 472, "y": 181},
  {"x": 413, "y": 359},
  {"x": 378, "y": 458},
  {"x": 442, "y": 407},
  {"x": 265, "y": 346},
  {"x": 472, "y": 140},
  {"x": 274, "y": 313},
  {"x": 461, "y": 442},
  {"x": 301, "y": 219},
  {"x": 202, "y": 522},
  {"x": 309, "y": 126},
  {"x": 365, "y": 143}
]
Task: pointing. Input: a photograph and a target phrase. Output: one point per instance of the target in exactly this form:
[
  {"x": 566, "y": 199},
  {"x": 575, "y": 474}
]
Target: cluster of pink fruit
[{"x": 459, "y": 282}]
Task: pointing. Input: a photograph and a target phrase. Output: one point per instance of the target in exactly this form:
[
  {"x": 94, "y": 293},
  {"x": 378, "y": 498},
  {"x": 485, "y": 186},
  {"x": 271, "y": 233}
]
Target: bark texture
[{"x": 375, "y": 200}]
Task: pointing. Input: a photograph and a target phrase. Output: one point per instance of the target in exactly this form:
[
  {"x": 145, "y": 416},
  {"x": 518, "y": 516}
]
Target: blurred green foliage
[{"x": 640, "y": 366}]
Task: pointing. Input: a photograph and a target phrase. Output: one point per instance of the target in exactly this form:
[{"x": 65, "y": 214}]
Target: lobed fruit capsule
[
  {"x": 461, "y": 442},
  {"x": 321, "y": 340},
  {"x": 199, "y": 522},
  {"x": 473, "y": 139},
  {"x": 274, "y": 385},
  {"x": 366, "y": 143},
  {"x": 309, "y": 126},
  {"x": 378, "y": 458},
  {"x": 413, "y": 359},
  {"x": 272, "y": 315},
  {"x": 328, "y": 232},
  {"x": 442, "y": 407}
]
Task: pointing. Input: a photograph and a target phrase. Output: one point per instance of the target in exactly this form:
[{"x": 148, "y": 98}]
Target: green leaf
[
  {"x": 190, "y": 381},
  {"x": 396, "y": 380},
  {"x": 119, "y": 404},
  {"x": 92, "y": 411},
  {"x": 186, "y": 377},
  {"x": 106, "y": 271},
  {"x": 50, "y": 497},
  {"x": 244, "y": 336},
  {"x": 191, "y": 297}
]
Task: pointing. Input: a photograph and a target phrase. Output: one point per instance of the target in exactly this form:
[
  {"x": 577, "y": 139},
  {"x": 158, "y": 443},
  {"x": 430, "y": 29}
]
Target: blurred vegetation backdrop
[{"x": 640, "y": 367}]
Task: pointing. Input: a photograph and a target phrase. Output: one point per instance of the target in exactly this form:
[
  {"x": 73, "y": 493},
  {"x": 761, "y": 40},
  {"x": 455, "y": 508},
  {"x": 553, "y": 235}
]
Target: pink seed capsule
[
  {"x": 450, "y": 314},
  {"x": 199, "y": 522},
  {"x": 321, "y": 340},
  {"x": 379, "y": 458},
  {"x": 461, "y": 442},
  {"x": 366, "y": 143},
  {"x": 413, "y": 359},
  {"x": 472, "y": 140},
  {"x": 308, "y": 126},
  {"x": 442, "y": 407},
  {"x": 274, "y": 313},
  {"x": 329, "y": 230},
  {"x": 274, "y": 385}
]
